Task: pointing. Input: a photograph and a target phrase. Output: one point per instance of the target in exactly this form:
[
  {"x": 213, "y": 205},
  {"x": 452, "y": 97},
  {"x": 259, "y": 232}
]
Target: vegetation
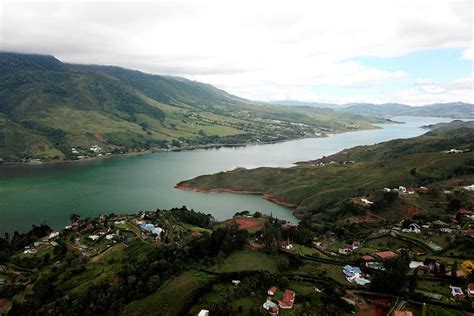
[
  {"x": 48, "y": 107},
  {"x": 315, "y": 186}
]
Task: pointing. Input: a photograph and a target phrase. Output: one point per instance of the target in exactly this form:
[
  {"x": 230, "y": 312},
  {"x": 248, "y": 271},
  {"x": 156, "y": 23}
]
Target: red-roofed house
[
  {"x": 271, "y": 291},
  {"x": 385, "y": 255},
  {"x": 402, "y": 313},
  {"x": 368, "y": 258},
  {"x": 196, "y": 234},
  {"x": 288, "y": 299}
]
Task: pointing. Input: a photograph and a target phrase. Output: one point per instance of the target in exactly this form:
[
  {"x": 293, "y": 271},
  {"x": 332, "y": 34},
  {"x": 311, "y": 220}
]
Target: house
[
  {"x": 385, "y": 255},
  {"x": 351, "y": 271},
  {"x": 375, "y": 265},
  {"x": 446, "y": 230},
  {"x": 469, "y": 188},
  {"x": 402, "y": 189},
  {"x": 271, "y": 291},
  {"x": 287, "y": 245},
  {"x": 410, "y": 191},
  {"x": 439, "y": 223},
  {"x": 454, "y": 151},
  {"x": 423, "y": 189},
  {"x": 94, "y": 237},
  {"x": 152, "y": 229},
  {"x": 109, "y": 236},
  {"x": 416, "y": 264},
  {"x": 53, "y": 235},
  {"x": 288, "y": 299},
  {"x": 402, "y": 313},
  {"x": 271, "y": 307},
  {"x": 387, "y": 189},
  {"x": 470, "y": 289},
  {"x": 412, "y": 228},
  {"x": 95, "y": 148},
  {"x": 457, "y": 292},
  {"x": 235, "y": 282},
  {"x": 366, "y": 202},
  {"x": 54, "y": 244},
  {"x": 367, "y": 258},
  {"x": 203, "y": 312},
  {"x": 196, "y": 234},
  {"x": 345, "y": 250}
]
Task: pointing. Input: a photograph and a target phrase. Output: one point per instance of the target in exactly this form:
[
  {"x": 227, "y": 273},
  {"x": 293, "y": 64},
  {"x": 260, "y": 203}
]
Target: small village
[{"x": 439, "y": 264}]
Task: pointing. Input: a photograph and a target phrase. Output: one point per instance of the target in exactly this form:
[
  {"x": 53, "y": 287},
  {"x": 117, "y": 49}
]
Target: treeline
[
  {"x": 11, "y": 244},
  {"x": 141, "y": 271},
  {"x": 192, "y": 217}
]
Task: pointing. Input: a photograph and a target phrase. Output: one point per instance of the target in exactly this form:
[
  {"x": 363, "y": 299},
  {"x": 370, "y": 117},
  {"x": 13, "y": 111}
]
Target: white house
[
  {"x": 402, "y": 189},
  {"x": 366, "y": 202},
  {"x": 95, "y": 148},
  {"x": 412, "y": 228},
  {"x": 203, "y": 312},
  {"x": 469, "y": 188},
  {"x": 53, "y": 235}
]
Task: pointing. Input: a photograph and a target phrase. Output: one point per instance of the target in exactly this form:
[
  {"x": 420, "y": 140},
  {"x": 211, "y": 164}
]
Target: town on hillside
[{"x": 252, "y": 264}]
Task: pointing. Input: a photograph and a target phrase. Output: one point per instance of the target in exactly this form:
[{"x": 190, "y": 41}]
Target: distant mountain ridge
[
  {"x": 50, "y": 110},
  {"x": 386, "y": 110}
]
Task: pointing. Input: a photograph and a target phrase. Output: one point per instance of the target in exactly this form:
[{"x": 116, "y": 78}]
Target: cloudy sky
[{"x": 413, "y": 52}]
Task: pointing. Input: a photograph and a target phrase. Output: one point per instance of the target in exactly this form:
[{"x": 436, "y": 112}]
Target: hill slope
[
  {"x": 454, "y": 110},
  {"x": 47, "y": 107},
  {"x": 411, "y": 162}
]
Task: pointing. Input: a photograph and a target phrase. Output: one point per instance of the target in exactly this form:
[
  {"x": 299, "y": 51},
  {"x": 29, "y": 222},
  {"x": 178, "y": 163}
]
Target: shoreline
[
  {"x": 189, "y": 148},
  {"x": 265, "y": 195}
]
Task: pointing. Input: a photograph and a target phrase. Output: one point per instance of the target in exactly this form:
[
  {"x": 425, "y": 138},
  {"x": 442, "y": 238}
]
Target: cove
[{"x": 32, "y": 194}]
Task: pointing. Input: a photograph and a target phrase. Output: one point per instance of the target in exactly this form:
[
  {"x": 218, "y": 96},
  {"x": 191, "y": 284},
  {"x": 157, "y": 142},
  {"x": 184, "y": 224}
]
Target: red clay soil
[
  {"x": 266, "y": 196},
  {"x": 100, "y": 137},
  {"x": 412, "y": 209},
  {"x": 246, "y": 223}
]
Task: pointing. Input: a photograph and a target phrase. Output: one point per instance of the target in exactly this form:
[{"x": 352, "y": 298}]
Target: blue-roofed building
[{"x": 152, "y": 229}]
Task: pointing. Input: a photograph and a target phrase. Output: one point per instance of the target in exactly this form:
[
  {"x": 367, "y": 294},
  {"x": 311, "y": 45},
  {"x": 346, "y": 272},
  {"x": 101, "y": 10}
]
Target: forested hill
[
  {"x": 48, "y": 107},
  {"x": 458, "y": 110},
  {"x": 426, "y": 160}
]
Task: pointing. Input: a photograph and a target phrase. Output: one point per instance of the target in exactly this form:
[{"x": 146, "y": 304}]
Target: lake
[{"x": 32, "y": 194}]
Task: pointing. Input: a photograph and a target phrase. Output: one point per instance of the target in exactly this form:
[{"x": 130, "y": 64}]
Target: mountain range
[
  {"x": 50, "y": 110},
  {"x": 458, "y": 110}
]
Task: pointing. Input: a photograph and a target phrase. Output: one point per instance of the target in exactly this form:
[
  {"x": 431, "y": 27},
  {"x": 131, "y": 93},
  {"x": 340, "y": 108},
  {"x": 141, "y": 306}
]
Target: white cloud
[{"x": 260, "y": 49}]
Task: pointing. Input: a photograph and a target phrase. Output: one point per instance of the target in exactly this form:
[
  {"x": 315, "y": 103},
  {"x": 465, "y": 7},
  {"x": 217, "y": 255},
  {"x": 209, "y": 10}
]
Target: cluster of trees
[
  {"x": 140, "y": 272},
  {"x": 394, "y": 278},
  {"x": 194, "y": 218},
  {"x": 11, "y": 244},
  {"x": 386, "y": 200}
]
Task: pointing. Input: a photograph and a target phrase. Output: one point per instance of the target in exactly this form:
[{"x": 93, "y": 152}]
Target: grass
[
  {"x": 247, "y": 260},
  {"x": 172, "y": 298},
  {"x": 70, "y": 105},
  {"x": 322, "y": 270},
  {"x": 300, "y": 249}
]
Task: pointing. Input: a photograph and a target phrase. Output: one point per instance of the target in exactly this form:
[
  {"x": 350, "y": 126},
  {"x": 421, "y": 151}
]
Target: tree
[
  {"x": 413, "y": 281},
  {"x": 454, "y": 273},
  {"x": 74, "y": 217}
]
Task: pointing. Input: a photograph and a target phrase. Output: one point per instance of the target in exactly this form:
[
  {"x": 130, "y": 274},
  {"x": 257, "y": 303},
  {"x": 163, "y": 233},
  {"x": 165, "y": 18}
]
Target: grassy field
[
  {"x": 63, "y": 106},
  {"x": 172, "y": 298},
  {"x": 322, "y": 270},
  {"x": 247, "y": 260}
]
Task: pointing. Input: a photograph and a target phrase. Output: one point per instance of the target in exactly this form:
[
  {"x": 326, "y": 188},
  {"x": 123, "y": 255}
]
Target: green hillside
[
  {"x": 48, "y": 107},
  {"x": 314, "y": 185}
]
